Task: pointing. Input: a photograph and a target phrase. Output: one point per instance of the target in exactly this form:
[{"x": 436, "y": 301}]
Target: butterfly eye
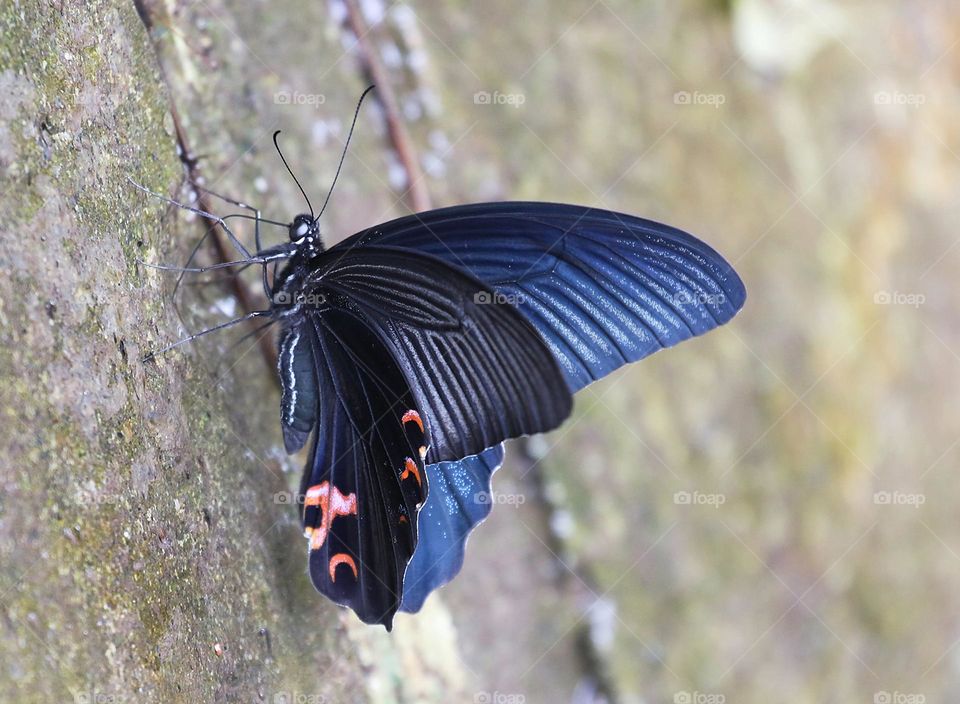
[{"x": 302, "y": 226}]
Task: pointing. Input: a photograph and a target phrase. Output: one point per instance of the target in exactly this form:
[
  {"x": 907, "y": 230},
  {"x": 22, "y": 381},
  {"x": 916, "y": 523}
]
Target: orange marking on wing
[
  {"x": 403, "y": 519},
  {"x": 411, "y": 468},
  {"x": 414, "y": 417},
  {"x": 342, "y": 558},
  {"x": 332, "y": 504}
]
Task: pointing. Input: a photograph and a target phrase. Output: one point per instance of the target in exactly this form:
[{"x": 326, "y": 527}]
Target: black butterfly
[
  {"x": 433, "y": 338},
  {"x": 413, "y": 349}
]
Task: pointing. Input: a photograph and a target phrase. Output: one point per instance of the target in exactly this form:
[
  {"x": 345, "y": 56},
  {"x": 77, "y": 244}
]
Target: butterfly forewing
[{"x": 602, "y": 288}]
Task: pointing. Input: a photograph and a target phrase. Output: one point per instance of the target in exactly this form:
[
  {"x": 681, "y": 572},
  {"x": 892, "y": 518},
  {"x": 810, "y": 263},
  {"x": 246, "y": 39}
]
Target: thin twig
[
  {"x": 245, "y": 298},
  {"x": 592, "y": 662},
  {"x": 417, "y": 196},
  {"x": 240, "y": 290}
]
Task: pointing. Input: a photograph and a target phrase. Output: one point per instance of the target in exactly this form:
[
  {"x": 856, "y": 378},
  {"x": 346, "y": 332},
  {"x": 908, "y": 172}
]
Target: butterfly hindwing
[
  {"x": 602, "y": 288},
  {"x": 397, "y": 355},
  {"x": 460, "y": 497},
  {"x": 366, "y": 480},
  {"x": 480, "y": 373}
]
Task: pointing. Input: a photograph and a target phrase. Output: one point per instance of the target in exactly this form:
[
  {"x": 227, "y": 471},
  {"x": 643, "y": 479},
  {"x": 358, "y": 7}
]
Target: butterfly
[
  {"x": 409, "y": 352},
  {"x": 415, "y": 348}
]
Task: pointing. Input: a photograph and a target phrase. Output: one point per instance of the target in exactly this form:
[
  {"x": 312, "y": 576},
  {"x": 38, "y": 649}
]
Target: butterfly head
[{"x": 305, "y": 233}]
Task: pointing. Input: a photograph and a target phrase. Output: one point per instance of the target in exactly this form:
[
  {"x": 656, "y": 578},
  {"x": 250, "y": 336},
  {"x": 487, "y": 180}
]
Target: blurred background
[{"x": 766, "y": 513}]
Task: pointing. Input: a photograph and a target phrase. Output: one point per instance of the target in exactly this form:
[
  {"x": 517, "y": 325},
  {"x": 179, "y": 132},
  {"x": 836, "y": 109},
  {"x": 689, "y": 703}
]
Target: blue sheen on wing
[
  {"x": 602, "y": 288},
  {"x": 458, "y": 498}
]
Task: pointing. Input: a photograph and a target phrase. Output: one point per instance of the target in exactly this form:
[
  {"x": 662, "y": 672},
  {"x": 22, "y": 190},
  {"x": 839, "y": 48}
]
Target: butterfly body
[{"x": 412, "y": 350}]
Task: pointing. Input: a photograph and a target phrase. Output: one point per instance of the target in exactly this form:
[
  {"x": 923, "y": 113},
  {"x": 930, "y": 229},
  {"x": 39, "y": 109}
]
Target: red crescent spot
[
  {"x": 411, "y": 468},
  {"x": 403, "y": 519},
  {"x": 332, "y": 504},
  {"x": 412, "y": 416},
  {"x": 341, "y": 558}
]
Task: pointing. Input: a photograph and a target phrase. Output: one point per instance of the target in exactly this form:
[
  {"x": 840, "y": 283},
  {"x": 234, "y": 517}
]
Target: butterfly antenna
[
  {"x": 343, "y": 156},
  {"x": 290, "y": 171}
]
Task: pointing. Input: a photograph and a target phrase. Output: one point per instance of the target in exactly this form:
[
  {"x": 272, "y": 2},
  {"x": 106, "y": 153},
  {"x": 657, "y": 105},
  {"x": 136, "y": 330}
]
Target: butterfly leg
[
  {"x": 267, "y": 290},
  {"x": 215, "y": 328},
  {"x": 210, "y": 216},
  {"x": 193, "y": 253}
]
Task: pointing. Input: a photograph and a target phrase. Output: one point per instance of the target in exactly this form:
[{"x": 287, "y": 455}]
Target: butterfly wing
[
  {"x": 602, "y": 288},
  {"x": 366, "y": 479},
  {"x": 404, "y": 357},
  {"x": 479, "y": 372},
  {"x": 460, "y": 497},
  {"x": 412, "y": 349}
]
